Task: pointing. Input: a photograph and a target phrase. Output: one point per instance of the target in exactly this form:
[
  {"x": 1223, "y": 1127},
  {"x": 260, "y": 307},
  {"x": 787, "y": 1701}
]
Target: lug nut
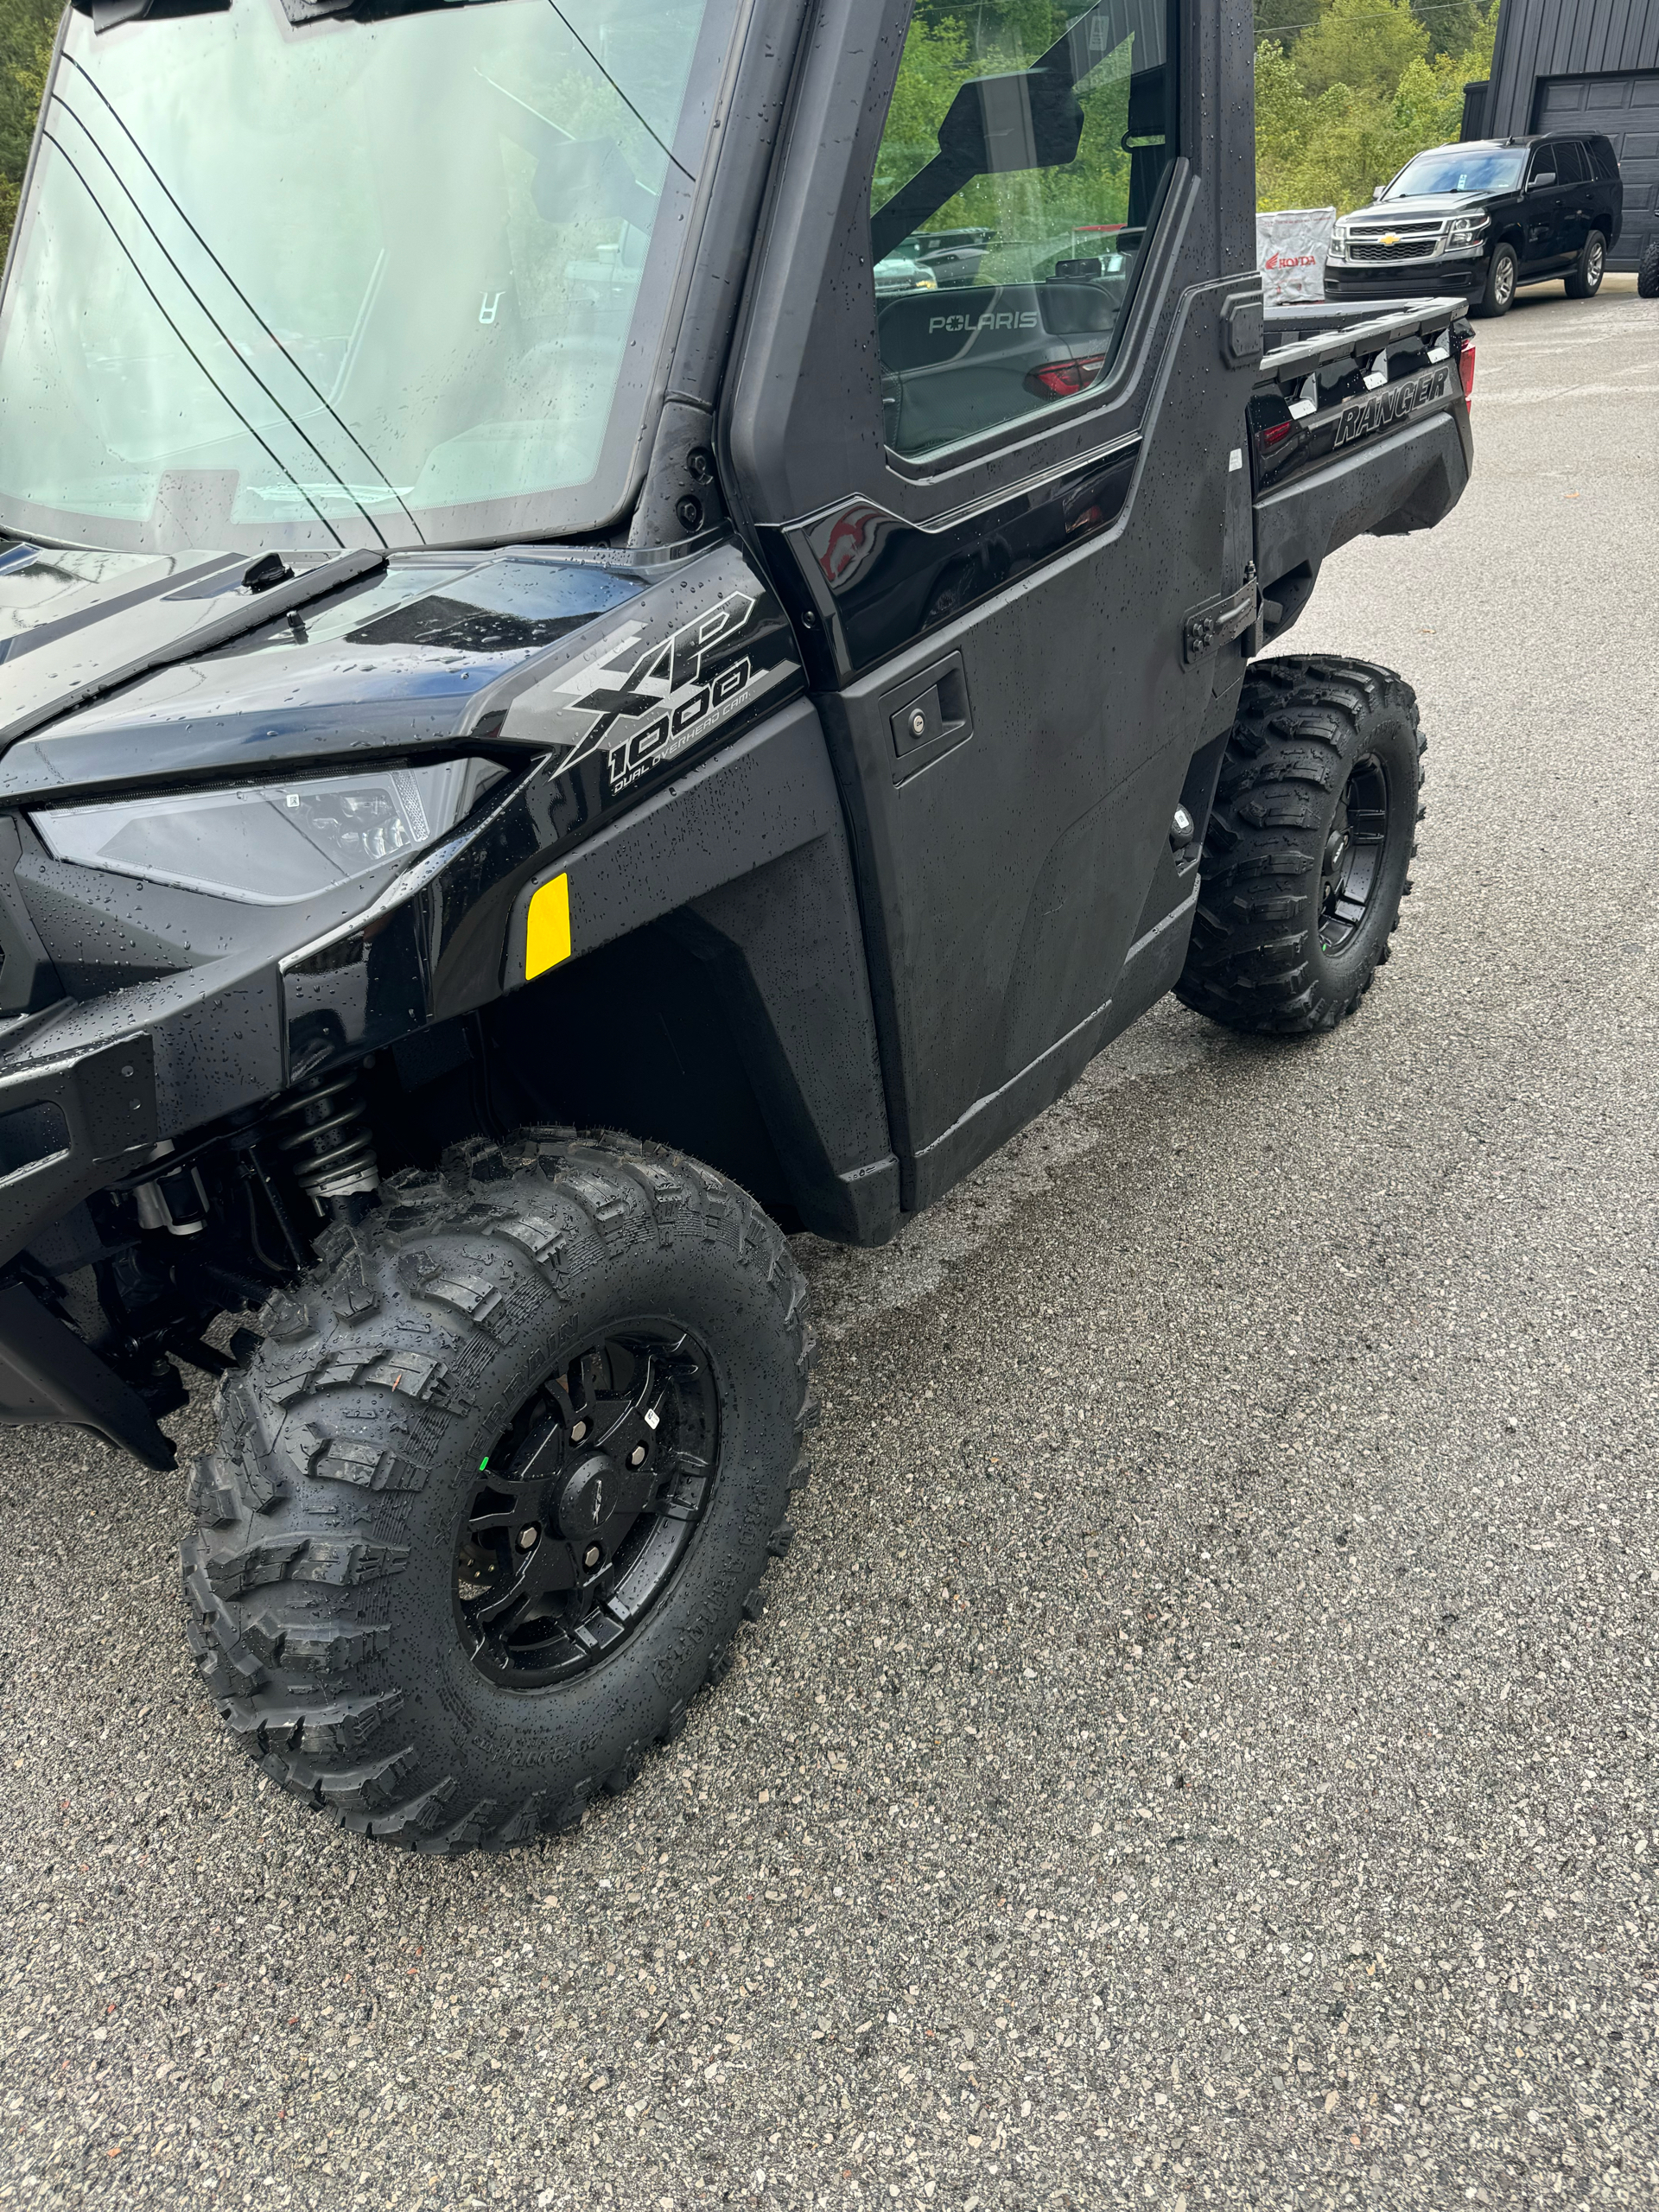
[
  {"x": 591, "y": 1557},
  {"x": 529, "y": 1538},
  {"x": 637, "y": 1457},
  {"x": 578, "y": 1430}
]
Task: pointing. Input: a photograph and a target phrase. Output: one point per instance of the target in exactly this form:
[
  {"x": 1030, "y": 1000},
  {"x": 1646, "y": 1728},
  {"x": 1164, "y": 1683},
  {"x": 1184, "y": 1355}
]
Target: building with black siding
[{"x": 1581, "y": 64}]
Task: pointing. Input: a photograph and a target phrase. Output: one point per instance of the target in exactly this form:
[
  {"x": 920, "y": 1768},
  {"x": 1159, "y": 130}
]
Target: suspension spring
[{"x": 330, "y": 1146}]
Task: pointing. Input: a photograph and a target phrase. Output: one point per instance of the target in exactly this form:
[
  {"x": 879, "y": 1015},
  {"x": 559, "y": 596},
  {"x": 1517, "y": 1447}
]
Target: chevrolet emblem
[{"x": 1390, "y": 238}]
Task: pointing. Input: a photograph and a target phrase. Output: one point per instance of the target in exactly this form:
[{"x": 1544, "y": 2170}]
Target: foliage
[
  {"x": 1031, "y": 210},
  {"x": 26, "y": 30},
  {"x": 1365, "y": 44},
  {"x": 1341, "y": 105},
  {"x": 1346, "y": 91}
]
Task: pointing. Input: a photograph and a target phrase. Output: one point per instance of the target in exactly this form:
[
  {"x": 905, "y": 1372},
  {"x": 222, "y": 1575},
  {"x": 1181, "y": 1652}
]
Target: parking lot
[{"x": 1200, "y": 1747}]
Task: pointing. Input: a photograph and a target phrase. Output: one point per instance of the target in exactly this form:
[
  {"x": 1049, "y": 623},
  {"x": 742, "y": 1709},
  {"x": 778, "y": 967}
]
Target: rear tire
[
  {"x": 1308, "y": 847},
  {"x": 456, "y": 1570},
  {"x": 1498, "y": 294},
  {"x": 1647, "y": 269},
  {"x": 1585, "y": 282}
]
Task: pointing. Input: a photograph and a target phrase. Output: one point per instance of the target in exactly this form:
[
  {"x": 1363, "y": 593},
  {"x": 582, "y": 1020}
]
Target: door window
[
  {"x": 1543, "y": 166},
  {"x": 1570, "y": 165},
  {"x": 1019, "y": 175}
]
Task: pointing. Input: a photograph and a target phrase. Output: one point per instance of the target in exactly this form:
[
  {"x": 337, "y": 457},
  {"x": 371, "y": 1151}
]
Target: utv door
[{"x": 1012, "y": 517}]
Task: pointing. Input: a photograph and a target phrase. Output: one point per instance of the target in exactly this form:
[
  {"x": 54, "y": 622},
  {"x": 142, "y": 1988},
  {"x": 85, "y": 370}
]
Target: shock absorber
[{"x": 325, "y": 1134}]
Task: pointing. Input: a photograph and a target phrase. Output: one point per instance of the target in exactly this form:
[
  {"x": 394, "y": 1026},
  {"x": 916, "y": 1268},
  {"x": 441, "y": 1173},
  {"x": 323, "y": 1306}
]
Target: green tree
[
  {"x": 1324, "y": 145},
  {"x": 1453, "y": 26},
  {"x": 26, "y": 30},
  {"x": 1034, "y": 212},
  {"x": 1365, "y": 44},
  {"x": 1284, "y": 21}
]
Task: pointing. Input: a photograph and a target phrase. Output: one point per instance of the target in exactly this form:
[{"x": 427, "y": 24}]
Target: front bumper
[
  {"x": 1404, "y": 280},
  {"x": 87, "y": 1090}
]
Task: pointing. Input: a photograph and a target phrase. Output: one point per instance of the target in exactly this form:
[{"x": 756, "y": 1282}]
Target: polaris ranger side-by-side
[{"x": 553, "y": 731}]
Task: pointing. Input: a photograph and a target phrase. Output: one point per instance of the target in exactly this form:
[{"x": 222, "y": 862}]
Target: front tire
[
  {"x": 497, "y": 1488},
  {"x": 1308, "y": 847},
  {"x": 1585, "y": 282},
  {"x": 1498, "y": 294}
]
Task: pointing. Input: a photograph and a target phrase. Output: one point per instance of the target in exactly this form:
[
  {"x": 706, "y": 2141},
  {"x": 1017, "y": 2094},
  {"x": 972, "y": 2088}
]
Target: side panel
[
  {"x": 1010, "y": 872},
  {"x": 742, "y": 860},
  {"x": 747, "y": 858},
  {"x": 997, "y": 631}
]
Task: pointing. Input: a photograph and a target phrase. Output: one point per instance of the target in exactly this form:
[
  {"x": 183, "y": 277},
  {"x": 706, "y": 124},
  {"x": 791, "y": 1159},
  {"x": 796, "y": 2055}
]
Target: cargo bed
[{"x": 1359, "y": 423}]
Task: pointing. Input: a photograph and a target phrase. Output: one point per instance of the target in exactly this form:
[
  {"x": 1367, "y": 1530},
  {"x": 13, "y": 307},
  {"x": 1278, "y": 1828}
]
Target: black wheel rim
[
  {"x": 1353, "y": 855},
  {"x": 579, "y": 1518}
]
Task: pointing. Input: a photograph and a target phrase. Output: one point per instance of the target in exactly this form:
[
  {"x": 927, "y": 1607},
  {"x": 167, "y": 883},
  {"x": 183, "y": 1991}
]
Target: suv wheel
[
  {"x": 1647, "y": 269},
  {"x": 1306, "y": 850},
  {"x": 1498, "y": 295},
  {"x": 1585, "y": 282},
  {"x": 496, "y": 1491}
]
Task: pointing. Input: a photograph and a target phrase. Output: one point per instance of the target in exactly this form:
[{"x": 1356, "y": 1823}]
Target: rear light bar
[{"x": 1060, "y": 380}]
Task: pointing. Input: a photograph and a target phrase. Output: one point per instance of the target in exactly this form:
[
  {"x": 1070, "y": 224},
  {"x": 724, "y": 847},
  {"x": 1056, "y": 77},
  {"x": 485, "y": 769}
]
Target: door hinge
[{"x": 1218, "y": 621}]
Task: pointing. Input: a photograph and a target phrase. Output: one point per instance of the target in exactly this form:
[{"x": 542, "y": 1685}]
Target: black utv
[{"x": 554, "y": 735}]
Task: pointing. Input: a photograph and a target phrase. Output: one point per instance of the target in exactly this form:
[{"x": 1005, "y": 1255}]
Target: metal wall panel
[
  {"x": 1624, "y": 109},
  {"x": 1591, "y": 66},
  {"x": 1539, "y": 40}
]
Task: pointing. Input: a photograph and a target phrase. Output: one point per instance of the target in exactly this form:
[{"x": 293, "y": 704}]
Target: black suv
[{"x": 1483, "y": 217}]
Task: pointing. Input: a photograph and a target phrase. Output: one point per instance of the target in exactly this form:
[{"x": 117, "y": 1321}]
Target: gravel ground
[{"x": 1200, "y": 1747}]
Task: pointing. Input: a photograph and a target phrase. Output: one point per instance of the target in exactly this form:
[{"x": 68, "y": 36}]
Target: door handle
[{"x": 927, "y": 716}]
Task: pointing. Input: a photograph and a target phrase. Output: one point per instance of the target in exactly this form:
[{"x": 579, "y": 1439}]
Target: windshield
[
  {"x": 1459, "y": 168},
  {"x": 347, "y": 281}
]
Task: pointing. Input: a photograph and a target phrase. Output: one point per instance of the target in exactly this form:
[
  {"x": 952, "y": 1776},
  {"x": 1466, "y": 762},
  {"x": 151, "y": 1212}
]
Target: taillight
[
  {"x": 1060, "y": 380},
  {"x": 1466, "y": 371},
  {"x": 1275, "y": 434}
]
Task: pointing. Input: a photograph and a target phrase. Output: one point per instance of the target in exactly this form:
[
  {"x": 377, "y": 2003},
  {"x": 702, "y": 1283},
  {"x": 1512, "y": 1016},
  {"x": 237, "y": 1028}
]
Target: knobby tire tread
[
  {"x": 281, "y": 1618},
  {"x": 1253, "y": 962}
]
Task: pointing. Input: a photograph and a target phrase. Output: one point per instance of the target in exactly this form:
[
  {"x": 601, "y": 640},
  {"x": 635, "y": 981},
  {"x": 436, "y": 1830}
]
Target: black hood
[
  {"x": 1418, "y": 207},
  {"x": 395, "y": 658}
]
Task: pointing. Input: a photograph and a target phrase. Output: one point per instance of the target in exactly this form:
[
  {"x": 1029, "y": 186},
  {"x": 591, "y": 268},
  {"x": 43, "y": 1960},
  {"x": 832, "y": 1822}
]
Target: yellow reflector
[{"x": 547, "y": 932}]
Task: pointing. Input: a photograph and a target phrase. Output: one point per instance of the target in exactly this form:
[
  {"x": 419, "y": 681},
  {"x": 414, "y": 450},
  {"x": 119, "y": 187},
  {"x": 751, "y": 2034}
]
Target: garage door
[{"x": 1625, "y": 109}]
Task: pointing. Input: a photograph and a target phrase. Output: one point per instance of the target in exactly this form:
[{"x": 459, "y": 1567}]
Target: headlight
[
  {"x": 1338, "y": 243},
  {"x": 1467, "y": 230},
  {"x": 270, "y": 844}
]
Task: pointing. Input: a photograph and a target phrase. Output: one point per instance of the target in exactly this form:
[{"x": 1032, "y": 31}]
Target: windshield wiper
[
  {"x": 110, "y": 15},
  {"x": 269, "y": 601}
]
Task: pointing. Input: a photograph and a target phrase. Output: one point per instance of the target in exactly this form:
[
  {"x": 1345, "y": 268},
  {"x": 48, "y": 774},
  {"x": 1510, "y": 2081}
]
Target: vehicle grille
[{"x": 1408, "y": 245}]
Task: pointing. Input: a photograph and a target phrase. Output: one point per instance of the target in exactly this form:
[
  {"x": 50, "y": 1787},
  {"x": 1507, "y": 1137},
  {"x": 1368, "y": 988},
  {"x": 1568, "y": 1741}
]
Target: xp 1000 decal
[
  {"x": 696, "y": 653},
  {"x": 655, "y": 700}
]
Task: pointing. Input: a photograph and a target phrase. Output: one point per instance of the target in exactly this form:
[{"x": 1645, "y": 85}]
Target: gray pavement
[{"x": 1200, "y": 1748}]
